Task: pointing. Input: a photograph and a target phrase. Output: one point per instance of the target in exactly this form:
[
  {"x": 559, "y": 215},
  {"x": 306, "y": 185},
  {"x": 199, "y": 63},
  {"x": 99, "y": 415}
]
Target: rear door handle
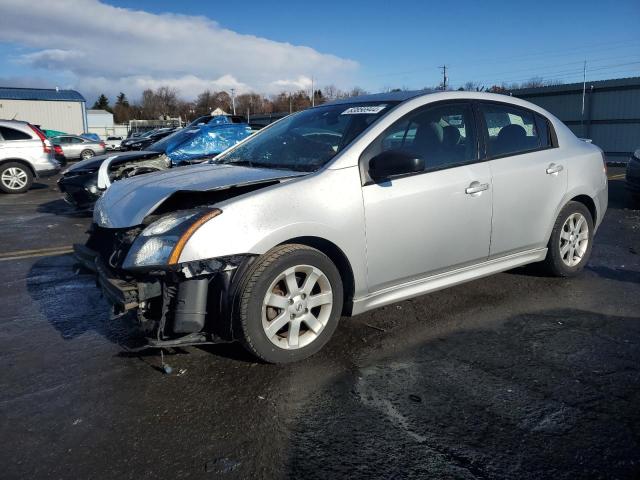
[
  {"x": 476, "y": 187},
  {"x": 553, "y": 168}
]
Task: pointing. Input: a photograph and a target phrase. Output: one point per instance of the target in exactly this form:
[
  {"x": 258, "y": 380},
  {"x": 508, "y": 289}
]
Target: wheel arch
[
  {"x": 339, "y": 259},
  {"x": 588, "y": 202},
  {"x": 21, "y": 161}
]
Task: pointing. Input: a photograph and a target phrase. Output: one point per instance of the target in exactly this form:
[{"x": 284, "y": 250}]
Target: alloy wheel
[
  {"x": 297, "y": 307},
  {"x": 14, "y": 178},
  {"x": 574, "y": 239}
]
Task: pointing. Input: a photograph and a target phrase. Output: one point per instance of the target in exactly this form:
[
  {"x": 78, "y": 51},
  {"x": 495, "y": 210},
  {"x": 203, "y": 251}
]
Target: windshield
[{"x": 309, "y": 139}]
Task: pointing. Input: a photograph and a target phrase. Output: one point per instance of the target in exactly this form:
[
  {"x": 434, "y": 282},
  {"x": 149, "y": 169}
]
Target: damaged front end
[{"x": 174, "y": 304}]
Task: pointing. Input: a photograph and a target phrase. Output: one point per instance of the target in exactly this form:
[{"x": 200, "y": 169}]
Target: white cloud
[{"x": 110, "y": 49}]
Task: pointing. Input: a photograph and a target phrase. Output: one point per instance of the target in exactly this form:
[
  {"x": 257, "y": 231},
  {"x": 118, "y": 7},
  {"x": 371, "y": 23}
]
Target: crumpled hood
[{"x": 127, "y": 202}]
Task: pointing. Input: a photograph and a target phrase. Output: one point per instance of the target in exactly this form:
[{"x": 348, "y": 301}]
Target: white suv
[{"x": 25, "y": 154}]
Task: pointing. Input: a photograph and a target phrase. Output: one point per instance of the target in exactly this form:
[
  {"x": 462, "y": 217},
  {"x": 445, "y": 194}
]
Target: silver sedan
[
  {"x": 343, "y": 208},
  {"x": 75, "y": 147}
]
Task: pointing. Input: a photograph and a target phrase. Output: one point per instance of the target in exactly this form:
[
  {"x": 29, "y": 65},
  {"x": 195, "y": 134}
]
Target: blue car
[{"x": 190, "y": 145}]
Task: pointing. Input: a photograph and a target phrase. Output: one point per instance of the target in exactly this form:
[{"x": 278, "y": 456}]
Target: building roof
[
  {"x": 94, "y": 111},
  {"x": 616, "y": 83},
  {"x": 47, "y": 94}
]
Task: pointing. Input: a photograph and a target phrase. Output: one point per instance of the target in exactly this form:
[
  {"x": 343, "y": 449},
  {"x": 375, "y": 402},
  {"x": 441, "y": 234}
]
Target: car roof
[
  {"x": 400, "y": 96},
  {"x": 14, "y": 122}
]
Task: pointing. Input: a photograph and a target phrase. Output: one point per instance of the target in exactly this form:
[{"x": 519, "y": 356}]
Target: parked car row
[
  {"x": 81, "y": 183},
  {"x": 337, "y": 210},
  {"x": 144, "y": 140},
  {"x": 27, "y": 152}
]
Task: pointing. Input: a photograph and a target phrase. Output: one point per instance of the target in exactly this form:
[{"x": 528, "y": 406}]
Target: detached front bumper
[
  {"x": 48, "y": 173},
  {"x": 80, "y": 191}
]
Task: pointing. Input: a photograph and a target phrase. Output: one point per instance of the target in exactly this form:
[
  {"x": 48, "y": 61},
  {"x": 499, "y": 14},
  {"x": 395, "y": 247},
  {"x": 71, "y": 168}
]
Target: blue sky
[{"x": 372, "y": 44}]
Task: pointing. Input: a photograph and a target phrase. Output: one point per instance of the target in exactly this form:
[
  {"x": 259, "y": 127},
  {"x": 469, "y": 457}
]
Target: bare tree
[{"x": 472, "y": 87}]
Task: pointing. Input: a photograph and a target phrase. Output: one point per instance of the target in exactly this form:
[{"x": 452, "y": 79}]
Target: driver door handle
[
  {"x": 553, "y": 168},
  {"x": 476, "y": 187}
]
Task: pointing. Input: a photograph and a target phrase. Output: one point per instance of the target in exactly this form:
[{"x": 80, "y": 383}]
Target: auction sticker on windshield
[{"x": 368, "y": 110}]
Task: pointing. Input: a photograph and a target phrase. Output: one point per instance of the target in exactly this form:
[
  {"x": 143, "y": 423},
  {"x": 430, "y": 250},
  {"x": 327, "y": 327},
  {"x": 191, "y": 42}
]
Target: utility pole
[
  {"x": 313, "y": 94},
  {"x": 233, "y": 99},
  {"x": 444, "y": 77},
  {"x": 584, "y": 91}
]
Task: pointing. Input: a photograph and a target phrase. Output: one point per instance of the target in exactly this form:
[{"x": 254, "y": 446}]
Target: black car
[
  {"x": 633, "y": 175},
  {"x": 79, "y": 183},
  {"x": 144, "y": 141}
]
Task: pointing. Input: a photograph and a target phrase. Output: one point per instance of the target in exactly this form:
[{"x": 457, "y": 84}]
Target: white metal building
[
  {"x": 101, "y": 123},
  {"x": 51, "y": 109}
]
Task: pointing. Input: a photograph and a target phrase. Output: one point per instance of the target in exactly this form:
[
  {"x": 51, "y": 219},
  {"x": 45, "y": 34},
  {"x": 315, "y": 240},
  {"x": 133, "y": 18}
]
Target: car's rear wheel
[
  {"x": 15, "y": 177},
  {"x": 86, "y": 154},
  {"x": 571, "y": 241},
  {"x": 289, "y": 303}
]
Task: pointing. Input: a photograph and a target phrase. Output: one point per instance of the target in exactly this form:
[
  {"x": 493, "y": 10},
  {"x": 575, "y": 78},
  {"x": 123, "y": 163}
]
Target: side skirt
[{"x": 447, "y": 279}]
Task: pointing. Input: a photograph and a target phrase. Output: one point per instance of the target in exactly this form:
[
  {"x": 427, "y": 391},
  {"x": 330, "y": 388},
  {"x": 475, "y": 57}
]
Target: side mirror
[{"x": 394, "y": 162}]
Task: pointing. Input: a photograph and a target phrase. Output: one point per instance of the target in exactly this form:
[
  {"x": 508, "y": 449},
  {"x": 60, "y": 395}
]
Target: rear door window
[
  {"x": 13, "y": 134},
  {"x": 510, "y": 130}
]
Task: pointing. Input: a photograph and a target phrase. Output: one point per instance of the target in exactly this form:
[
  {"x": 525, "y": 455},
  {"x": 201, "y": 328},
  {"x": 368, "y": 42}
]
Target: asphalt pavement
[{"x": 512, "y": 376}]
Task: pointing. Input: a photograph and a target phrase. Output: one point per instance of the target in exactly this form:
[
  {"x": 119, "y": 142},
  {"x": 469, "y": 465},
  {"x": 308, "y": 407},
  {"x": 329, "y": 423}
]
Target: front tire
[
  {"x": 569, "y": 247},
  {"x": 289, "y": 304},
  {"x": 15, "y": 177}
]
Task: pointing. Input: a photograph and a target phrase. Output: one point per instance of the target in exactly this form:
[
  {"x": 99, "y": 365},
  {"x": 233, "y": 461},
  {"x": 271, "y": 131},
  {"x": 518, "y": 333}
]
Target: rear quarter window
[{"x": 13, "y": 134}]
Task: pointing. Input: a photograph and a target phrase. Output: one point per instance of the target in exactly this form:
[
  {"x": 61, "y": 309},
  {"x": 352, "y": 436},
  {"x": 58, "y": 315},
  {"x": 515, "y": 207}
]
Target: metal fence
[{"x": 611, "y": 113}]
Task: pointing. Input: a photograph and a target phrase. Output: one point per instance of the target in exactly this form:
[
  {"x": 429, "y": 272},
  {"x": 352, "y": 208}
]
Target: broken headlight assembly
[{"x": 162, "y": 242}]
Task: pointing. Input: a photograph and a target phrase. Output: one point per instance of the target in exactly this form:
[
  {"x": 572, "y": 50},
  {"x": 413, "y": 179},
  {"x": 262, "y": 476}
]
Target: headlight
[{"x": 162, "y": 242}]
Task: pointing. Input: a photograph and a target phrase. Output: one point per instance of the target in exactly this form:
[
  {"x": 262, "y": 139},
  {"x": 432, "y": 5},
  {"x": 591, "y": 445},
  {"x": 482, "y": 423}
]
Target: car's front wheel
[
  {"x": 289, "y": 303},
  {"x": 571, "y": 241},
  {"x": 15, "y": 177}
]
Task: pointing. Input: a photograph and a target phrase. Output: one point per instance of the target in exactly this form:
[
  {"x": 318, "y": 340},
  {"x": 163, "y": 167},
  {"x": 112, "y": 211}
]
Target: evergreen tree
[
  {"x": 121, "y": 100},
  {"x": 102, "y": 103}
]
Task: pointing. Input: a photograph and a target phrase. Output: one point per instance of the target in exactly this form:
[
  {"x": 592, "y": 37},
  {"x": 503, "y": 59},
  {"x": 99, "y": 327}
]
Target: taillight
[
  {"x": 46, "y": 144},
  {"x": 604, "y": 162},
  {"x": 102, "y": 144},
  {"x": 58, "y": 150}
]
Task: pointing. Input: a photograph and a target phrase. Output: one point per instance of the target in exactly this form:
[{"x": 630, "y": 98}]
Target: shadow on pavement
[
  {"x": 71, "y": 302},
  {"x": 60, "y": 207},
  {"x": 73, "y": 305},
  {"x": 546, "y": 395}
]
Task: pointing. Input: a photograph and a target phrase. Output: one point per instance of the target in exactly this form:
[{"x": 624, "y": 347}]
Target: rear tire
[
  {"x": 569, "y": 247},
  {"x": 15, "y": 177},
  {"x": 86, "y": 154},
  {"x": 288, "y": 304}
]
